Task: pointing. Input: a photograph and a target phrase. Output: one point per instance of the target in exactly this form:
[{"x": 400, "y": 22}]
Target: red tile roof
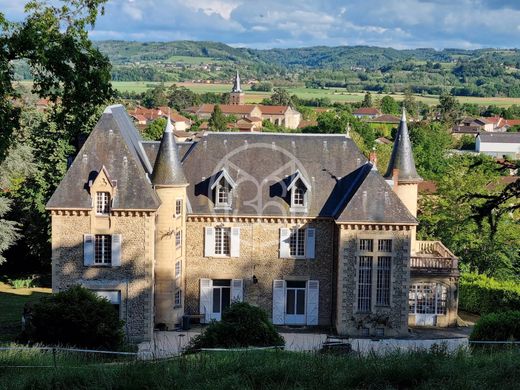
[
  {"x": 273, "y": 110},
  {"x": 226, "y": 108},
  {"x": 367, "y": 111}
]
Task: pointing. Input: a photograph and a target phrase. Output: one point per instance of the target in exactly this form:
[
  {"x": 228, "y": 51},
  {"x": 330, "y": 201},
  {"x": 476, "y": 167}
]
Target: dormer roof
[{"x": 402, "y": 156}]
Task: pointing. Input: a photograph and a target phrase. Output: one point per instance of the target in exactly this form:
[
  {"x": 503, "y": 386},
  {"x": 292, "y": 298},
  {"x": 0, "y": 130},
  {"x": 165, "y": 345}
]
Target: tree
[
  {"x": 389, "y": 105},
  {"x": 217, "y": 121},
  {"x": 367, "y": 100},
  {"x": 264, "y": 86},
  {"x": 181, "y": 98},
  {"x": 155, "y": 97},
  {"x": 74, "y": 75},
  {"x": 449, "y": 108},
  {"x": 155, "y": 130},
  {"x": 410, "y": 104},
  {"x": 280, "y": 97}
]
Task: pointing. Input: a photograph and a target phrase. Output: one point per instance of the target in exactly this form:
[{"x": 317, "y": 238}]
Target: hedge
[
  {"x": 497, "y": 326},
  {"x": 481, "y": 295}
]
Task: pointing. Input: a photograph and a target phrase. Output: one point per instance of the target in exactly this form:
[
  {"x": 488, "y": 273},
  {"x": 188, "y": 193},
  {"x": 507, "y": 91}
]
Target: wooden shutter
[
  {"x": 206, "y": 287},
  {"x": 278, "y": 302},
  {"x": 88, "y": 249},
  {"x": 313, "y": 298},
  {"x": 237, "y": 290},
  {"x": 209, "y": 242},
  {"x": 285, "y": 248},
  {"x": 235, "y": 242},
  {"x": 310, "y": 243},
  {"x": 116, "y": 250}
]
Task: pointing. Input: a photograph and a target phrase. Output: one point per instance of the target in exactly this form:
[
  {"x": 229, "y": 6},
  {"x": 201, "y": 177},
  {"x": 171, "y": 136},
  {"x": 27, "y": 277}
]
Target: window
[
  {"x": 298, "y": 197},
  {"x": 178, "y": 239},
  {"x": 366, "y": 245},
  {"x": 178, "y": 268},
  {"x": 383, "y": 280},
  {"x": 384, "y": 245},
  {"x": 297, "y": 242},
  {"x": 103, "y": 249},
  {"x": 365, "y": 284},
  {"x": 222, "y": 238},
  {"x": 114, "y": 297},
  {"x": 178, "y": 298},
  {"x": 178, "y": 207},
  {"x": 102, "y": 203},
  {"x": 223, "y": 195},
  {"x": 428, "y": 298}
]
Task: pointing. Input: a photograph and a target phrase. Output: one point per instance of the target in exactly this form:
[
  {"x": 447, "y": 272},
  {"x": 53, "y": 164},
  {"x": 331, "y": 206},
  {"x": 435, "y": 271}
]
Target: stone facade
[
  {"x": 133, "y": 279},
  {"x": 259, "y": 256},
  {"x": 392, "y": 318}
]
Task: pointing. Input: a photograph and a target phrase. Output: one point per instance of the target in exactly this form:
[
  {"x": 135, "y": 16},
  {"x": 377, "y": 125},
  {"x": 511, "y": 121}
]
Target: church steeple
[
  {"x": 402, "y": 163},
  {"x": 167, "y": 170},
  {"x": 236, "y": 84}
]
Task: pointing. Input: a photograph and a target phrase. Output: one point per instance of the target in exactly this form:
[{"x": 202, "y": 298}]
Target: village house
[
  {"x": 302, "y": 225},
  {"x": 498, "y": 144},
  {"x": 285, "y": 116},
  {"x": 366, "y": 112},
  {"x": 144, "y": 116}
]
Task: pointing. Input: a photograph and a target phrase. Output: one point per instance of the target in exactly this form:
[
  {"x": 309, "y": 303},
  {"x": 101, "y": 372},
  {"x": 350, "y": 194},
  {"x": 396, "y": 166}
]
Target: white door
[
  {"x": 295, "y": 297},
  {"x": 221, "y": 298}
]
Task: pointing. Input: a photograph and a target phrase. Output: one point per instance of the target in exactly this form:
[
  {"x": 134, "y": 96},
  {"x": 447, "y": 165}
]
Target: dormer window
[
  {"x": 102, "y": 203},
  {"x": 223, "y": 190},
  {"x": 299, "y": 191}
]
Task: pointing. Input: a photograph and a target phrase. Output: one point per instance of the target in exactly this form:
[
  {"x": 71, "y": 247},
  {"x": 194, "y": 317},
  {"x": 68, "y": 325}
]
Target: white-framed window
[
  {"x": 428, "y": 298},
  {"x": 112, "y": 296},
  {"x": 102, "y": 203},
  {"x": 178, "y": 298},
  {"x": 178, "y": 207},
  {"x": 102, "y": 249},
  {"x": 384, "y": 272},
  {"x": 178, "y": 268},
  {"x": 178, "y": 239},
  {"x": 223, "y": 194},
  {"x": 222, "y": 241},
  {"x": 297, "y": 242},
  {"x": 366, "y": 245},
  {"x": 384, "y": 245},
  {"x": 364, "y": 303}
]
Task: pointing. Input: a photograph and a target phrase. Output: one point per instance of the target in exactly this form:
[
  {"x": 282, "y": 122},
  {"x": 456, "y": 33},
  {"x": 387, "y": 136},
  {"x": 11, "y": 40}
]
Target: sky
[{"x": 266, "y": 24}]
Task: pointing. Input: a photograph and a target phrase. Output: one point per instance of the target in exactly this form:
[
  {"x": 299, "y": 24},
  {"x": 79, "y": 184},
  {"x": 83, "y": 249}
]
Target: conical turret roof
[
  {"x": 236, "y": 84},
  {"x": 402, "y": 156},
  {"x": 167, "y": 170}
]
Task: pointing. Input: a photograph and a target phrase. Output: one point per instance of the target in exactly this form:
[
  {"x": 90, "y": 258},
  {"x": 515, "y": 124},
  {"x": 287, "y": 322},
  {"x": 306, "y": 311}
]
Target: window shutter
[
  {"x": 278, "y": 302},
  {"x": 310, "y": 238},
  {"x": 285, "y": 237},
  {"x": 313, "y": 298},
  {"x": 206, "y": 286},
  {"x": 237, "y": 290},
  {"x": 209, "y": 242},
  {"x": 116, "y": 250},
  {"x": 88, "y": 249},
  {"x": 235, "y": 242}
]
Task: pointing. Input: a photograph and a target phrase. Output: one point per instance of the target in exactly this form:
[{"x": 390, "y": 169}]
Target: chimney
[
  {"x": 395, "y": 177},
  {"x": 372, "y": 157}
]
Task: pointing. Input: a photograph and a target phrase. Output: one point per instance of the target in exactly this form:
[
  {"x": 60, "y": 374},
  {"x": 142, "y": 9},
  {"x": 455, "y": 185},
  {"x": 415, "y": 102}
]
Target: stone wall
[
  {"x": 259, "y": 256},
  {"x": 134, "y": 278},
  {"x": 394, "y": 318}
]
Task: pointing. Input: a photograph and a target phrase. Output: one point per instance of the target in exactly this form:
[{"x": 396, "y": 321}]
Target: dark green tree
[
  {"x": 389, "y": 105},
  {"x": 280, "y": 97},
  {"x": 449, "y": 108},
  {"x": 217, "y": 121},
  {"x": 367, "y": 100},
  {"x": 155, "y": 97},
  {"x": 181, "y": 98},
  {"x": 155, "y": 130}
]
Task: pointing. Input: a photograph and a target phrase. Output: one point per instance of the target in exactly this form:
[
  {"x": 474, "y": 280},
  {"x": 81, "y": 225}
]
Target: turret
[
  {"x": 401, "y": 173},
  {"x": 170, "y": 185}
]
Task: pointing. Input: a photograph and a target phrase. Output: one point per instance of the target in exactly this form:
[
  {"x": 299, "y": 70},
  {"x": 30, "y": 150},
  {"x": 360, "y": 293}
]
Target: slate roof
[
  {"x": 262, "y": 165},
  {"x": 115, "y": 144},
  {"x": 502, "y": 138},
  {"x": 402, "y": 156}
]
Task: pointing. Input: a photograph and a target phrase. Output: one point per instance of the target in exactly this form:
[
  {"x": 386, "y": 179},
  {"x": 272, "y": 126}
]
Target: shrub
[
  {"x": 481, "y": 294},
  {"x": 498, "y": 326},
  {"x": 75, "y": 317},
  {"x": 242, "y": 325},
  {"x": 22, "y": 283}
]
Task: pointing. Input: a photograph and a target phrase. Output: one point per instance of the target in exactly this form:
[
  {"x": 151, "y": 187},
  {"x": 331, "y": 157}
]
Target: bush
[
  {"x": 498, "y": 326},
  {"x": 242, "y": 325},
  {"x": 481, "y": 294},
  {"x": 22, "y": 283},
  {"x": 76, "y": 317}
]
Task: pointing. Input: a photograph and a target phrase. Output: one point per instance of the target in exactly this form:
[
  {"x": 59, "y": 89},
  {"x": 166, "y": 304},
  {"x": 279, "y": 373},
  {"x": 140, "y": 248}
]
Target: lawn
[
  {"x": 12, "y": 302},
  {"x": 269, "y": 370}
]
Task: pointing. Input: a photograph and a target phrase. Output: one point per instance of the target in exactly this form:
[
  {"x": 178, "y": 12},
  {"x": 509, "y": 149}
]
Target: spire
[
  {"x": 236, "y": 84},
  {"x": 402, "y": 162},
  {"x": 167, "y": 170}
]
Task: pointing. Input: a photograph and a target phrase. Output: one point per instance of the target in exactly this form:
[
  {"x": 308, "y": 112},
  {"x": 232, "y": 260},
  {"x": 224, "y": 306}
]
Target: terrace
[{"x": 432, "y": 257}]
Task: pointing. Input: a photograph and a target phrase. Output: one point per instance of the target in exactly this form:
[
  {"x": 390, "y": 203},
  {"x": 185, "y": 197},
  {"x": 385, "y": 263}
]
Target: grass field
[
  {"x": 12, "y": 302},
  {"x": 194, "y": 60},
  {"x": 335, "y": 95},
  {"x": 267, "y": 370}
]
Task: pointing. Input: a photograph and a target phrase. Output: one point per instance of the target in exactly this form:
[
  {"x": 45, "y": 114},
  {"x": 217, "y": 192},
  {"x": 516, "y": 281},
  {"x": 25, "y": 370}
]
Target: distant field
[
  {"x": 193, "y": 60},
  {"x": 335, "y": 95}
]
